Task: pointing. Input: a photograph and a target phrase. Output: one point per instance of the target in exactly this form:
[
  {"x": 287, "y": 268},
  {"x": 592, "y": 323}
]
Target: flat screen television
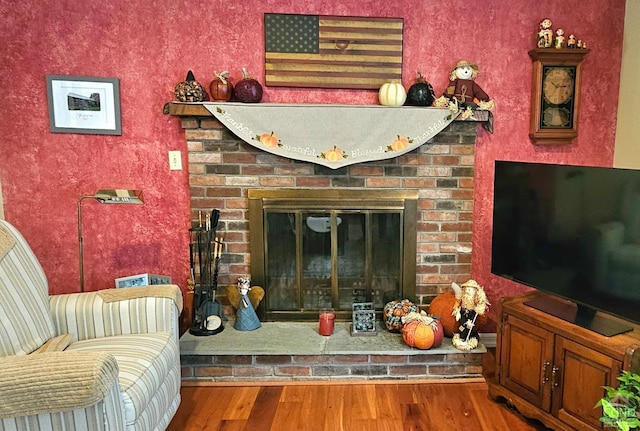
[{"x": 574, "y": 233}]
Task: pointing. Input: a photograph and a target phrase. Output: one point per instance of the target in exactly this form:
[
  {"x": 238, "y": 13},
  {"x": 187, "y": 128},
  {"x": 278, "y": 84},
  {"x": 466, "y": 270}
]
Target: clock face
[{"x": 558, "y": 85}]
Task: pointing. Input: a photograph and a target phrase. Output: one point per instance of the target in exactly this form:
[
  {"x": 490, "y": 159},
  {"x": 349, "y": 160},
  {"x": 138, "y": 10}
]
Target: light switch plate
[{"x": 175, "y": 160}]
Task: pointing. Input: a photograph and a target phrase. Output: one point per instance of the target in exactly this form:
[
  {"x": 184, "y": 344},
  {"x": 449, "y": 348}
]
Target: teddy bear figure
[{"x": 463, "y": 91}]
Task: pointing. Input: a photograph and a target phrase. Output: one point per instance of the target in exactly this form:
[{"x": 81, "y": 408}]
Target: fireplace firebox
[{"x": 314, "y": 249}]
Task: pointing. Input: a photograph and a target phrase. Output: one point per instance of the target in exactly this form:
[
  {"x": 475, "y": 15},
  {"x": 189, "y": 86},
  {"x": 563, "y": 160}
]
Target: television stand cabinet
[{"x": 552, "y": 370}]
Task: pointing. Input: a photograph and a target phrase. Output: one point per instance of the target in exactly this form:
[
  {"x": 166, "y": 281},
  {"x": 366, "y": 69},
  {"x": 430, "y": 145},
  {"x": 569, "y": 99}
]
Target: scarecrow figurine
[
  {"x": 464, "y": 94},
  {"x": 471, "y": 302},
  {"x": 462, "y": 86}
]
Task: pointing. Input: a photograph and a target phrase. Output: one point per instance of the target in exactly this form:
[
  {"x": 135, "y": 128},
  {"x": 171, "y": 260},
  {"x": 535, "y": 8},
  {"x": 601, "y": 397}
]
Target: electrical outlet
[{"x": 175, "y": 160}]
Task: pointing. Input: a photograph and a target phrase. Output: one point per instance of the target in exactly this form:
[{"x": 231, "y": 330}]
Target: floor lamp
[{"x": 105, "y": 196}]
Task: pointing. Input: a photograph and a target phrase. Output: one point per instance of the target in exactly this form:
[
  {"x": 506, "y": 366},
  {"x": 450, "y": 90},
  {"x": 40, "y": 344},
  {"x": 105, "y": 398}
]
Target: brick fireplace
[{"x": 223, "y": 168}]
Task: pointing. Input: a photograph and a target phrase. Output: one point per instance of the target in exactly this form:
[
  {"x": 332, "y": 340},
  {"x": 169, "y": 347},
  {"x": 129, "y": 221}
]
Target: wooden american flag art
[{"x": 332, "y": 51}]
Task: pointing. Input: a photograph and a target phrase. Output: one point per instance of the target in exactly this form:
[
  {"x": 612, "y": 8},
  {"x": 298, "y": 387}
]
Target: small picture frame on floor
[{"x": 363, "y": 321}]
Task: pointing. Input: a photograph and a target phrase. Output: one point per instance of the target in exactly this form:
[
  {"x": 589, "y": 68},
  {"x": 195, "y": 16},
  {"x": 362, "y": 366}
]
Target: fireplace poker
[{"x": 217, "y": 254}]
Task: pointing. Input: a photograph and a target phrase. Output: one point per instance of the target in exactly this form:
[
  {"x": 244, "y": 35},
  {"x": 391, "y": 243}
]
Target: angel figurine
[{"x": 471, "y": 302}]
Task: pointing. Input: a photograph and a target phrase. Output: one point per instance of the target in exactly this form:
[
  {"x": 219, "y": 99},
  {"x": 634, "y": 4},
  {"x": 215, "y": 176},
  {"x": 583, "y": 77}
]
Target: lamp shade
[{"x": 119, "y": 196}]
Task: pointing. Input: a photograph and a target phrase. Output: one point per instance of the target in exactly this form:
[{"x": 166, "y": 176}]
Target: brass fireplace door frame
[{"x": 327, "y": 200}]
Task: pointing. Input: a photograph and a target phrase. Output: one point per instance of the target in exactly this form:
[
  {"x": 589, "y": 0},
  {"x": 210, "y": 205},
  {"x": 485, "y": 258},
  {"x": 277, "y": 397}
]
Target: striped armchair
[{"x": 105, "y": 360}]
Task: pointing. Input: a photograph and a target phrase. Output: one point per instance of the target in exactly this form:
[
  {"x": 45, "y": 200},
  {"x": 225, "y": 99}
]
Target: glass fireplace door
[{"x": 318, "y": 259}]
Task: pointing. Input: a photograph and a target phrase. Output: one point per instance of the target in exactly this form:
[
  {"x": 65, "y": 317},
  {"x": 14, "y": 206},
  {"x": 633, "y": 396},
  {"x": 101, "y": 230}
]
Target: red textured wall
[{"x": 151, "y": 45}]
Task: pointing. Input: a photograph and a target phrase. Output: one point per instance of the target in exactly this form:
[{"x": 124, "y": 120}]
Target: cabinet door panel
[
  {"x": 580, "y": 384},
  {"x": 526, "y": 361}
]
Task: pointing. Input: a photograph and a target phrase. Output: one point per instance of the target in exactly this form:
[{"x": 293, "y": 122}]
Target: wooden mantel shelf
[{"x": 197, "y": 109}]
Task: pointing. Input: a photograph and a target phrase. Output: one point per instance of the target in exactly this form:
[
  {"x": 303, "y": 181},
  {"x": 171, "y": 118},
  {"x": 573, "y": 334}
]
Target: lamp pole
[
  {"x": 113, "y": 196},
  {"x": 80, "y": 245}
]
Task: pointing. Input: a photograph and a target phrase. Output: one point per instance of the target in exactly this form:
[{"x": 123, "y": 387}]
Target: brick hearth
[{"x": 294, "y": 351}]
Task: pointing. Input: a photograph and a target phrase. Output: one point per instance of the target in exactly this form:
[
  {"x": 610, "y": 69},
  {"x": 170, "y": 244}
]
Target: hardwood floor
[{"x": 370, "y": 406}]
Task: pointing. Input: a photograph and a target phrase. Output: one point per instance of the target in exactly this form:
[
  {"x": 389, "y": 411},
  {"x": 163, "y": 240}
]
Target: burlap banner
[{"x": 332, "y": 135}]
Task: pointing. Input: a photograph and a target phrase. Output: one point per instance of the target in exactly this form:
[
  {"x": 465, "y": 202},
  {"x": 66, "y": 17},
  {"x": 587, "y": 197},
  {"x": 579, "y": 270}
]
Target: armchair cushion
[
  {"x": 55, "y": 344},
  {"x": 24, "y": 297}
]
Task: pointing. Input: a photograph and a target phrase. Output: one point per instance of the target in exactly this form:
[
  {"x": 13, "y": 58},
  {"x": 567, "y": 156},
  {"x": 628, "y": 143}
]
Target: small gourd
[
  {"x": 248, "y": 89},
  {"x": 392, "y": 94},
  {"x": 221, "y": 88}
]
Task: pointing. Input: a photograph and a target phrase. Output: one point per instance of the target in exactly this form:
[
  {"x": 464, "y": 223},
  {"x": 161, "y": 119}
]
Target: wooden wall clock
[{"x": 555, "y": 94}]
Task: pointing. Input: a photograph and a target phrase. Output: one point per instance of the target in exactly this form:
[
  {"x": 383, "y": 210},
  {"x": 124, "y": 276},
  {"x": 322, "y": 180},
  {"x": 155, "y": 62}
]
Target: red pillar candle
[{"x": 327, "y": 319}]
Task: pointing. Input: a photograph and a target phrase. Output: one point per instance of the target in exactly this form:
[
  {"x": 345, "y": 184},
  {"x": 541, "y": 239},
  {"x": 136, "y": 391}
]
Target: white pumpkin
[{"x": 392, "y": 94}]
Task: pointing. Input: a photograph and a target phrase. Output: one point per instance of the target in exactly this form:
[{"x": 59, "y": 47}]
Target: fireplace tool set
[{"x": 205, "y": 251}]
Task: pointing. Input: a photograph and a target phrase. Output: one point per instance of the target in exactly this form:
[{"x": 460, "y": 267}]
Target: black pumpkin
[
  {"x": 421, "y": 93},
  {"x": 190, "y": 90}
]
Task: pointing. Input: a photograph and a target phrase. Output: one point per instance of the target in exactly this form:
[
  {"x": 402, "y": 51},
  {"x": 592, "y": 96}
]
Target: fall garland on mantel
[{"x": 332, "y": 135}]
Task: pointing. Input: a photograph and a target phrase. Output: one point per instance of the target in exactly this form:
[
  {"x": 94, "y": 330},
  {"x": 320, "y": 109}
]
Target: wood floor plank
[
  {"x": 241, "y": 403},
  {"x": 293, "y": 394},
  {"x": 232, "y": 425},
  {"x": 414, "y": 417},
  {"x": 264, "y": 409},
  {"x": 201, "y": 409},
  {"x": 496, "y": 417},
  {"x": 387, "y": 402},
  {"x": 389, "y": 424},
  {"x": 287, "y": 416},
  {"x": 448, "y": 407},
  {"x": 361, "y": 402},
  {"x": 334, "y": 415},
  {"x": 346, "y": 407}
]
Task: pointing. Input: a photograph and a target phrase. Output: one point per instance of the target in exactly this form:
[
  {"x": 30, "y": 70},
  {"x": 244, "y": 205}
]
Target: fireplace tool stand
[{"x": 205, "y": 251}]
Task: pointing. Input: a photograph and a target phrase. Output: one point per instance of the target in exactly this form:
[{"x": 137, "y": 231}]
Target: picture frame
[
  {"x": 84, "y": 104},
  {"x": 363, "y": 319},
  {"x": 142, "y": 280}
]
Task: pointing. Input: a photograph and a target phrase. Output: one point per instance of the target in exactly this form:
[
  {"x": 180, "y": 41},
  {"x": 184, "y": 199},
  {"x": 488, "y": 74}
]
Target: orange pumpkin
[
  {"x": 438, "y": 332},
  {"x": 442, "y": 307},
  {"x": 418, "y": 334}
]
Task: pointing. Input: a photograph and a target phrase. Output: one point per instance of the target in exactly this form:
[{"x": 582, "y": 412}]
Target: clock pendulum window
[{"x": 555, "y": 97}]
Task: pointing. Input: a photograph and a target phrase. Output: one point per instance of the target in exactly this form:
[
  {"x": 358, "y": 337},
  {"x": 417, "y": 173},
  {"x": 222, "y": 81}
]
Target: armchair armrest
[
  {"x": 54, "y": 382},
  {"x": 132, "y": 310}
]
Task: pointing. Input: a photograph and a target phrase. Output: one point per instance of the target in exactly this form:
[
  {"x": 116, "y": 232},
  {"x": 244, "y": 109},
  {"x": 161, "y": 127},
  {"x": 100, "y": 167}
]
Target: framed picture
[
  {"x": 363, "y": 319},
  {"x": 81, "y": 104},
  {"x": 142, "y": 280}
]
